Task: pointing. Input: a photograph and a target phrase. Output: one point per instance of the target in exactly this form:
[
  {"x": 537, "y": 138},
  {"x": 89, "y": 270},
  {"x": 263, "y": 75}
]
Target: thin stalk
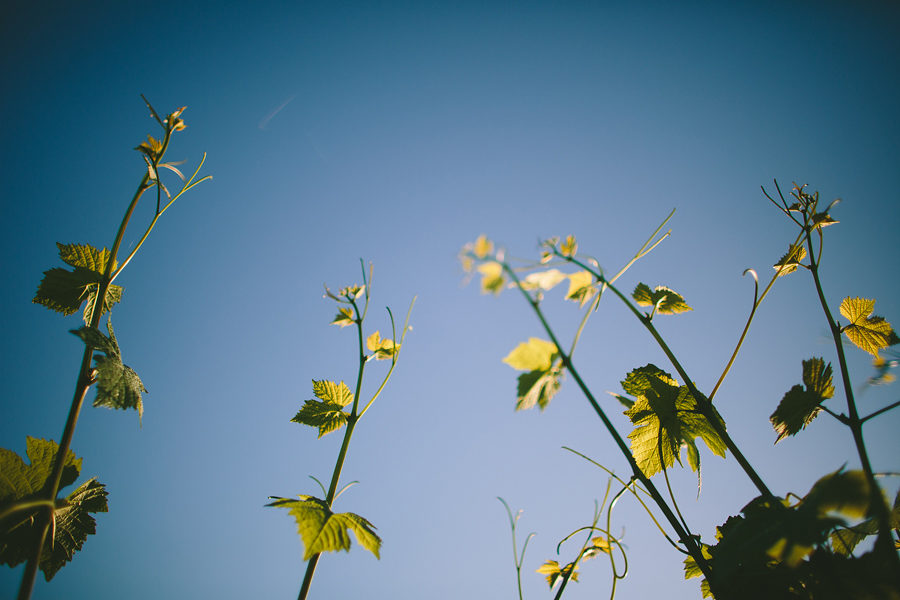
[
  {"x": 884, "y": 543},
  {"x": 879, "y": 411},
  {"x": 689, "y": 542}
]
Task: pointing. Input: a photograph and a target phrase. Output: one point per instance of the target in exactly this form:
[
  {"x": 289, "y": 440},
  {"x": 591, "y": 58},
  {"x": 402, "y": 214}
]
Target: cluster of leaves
[
  {"x": 65, "y": 291},
  {"x": 774, "y": 548},
  {"x": 21, "y": 501}
]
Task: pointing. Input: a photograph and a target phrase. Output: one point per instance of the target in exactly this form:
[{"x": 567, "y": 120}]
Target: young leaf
[
  {"x": 867, "y": 332},
  {"x": 482, "y": 247},
  {"x": 64, "y": 291},
  {"x": 21, "y": 482},
  {"x": 534, "y": 355},
  {"x": 542, "y": 381},
  {"x": 543, "y": 280},
  {"x": 324, "y": 531},
  {"x": 581, "y": 287},
  {"x": 383, "y": 349},
  {"x": 569, "y": 247},
  {"x": 328, "y": 414},
  {"x": 665, "y": 300},
  {"x": 344, "y": 317},
  {"x": 555, "y": 574},
  {"x": 666, "y": 418},
  {"x": 787, "y": 263},
  {"x": 492, "y": 279},
  {"x": 800, "y": 406},
  {"x": 118, "y": 386}
]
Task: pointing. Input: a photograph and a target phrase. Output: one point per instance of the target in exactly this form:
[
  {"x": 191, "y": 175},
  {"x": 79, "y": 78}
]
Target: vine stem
[{"x": 689, "y": 542}]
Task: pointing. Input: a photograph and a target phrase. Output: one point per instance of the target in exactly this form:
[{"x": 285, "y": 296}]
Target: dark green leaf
[
  {"x": 324, "y": 531},
  {"x": 537, "y": 387},
  {"x": 64, "y": 291},
  {"x": 73, "y": 525},
  {"x": 801, "y": 405}
]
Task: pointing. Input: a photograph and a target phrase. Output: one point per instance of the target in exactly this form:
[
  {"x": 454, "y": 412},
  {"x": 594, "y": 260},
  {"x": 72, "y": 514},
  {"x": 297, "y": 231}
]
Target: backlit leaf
[
  {"x": 383, "y": 349},
  {"x": 790, "y": 261},
  {"x": 118, "y": 386},
  {"x": 542, "y": 381},
  {"x": 801, "y": 405},
  {"x": 555, "y": 574},
  {"x": 867, "y": 332},
  {"x": 483, "y": 247},
  {"x": 665, "y": 300},
  {"x": 327, "y": 413},
  {"x": 543, "y": 280},
  {"x": 666, "y": 419},
  {"x": 581, "y": 287},
  {"x": 845, "y": 492},
  {"x": 569, "y": 247},
  {"x": 344, "y": 317},
  {"x": 21, "y": 483},
  {"x": 534, "y": 355},
  {"x": 492, "y": 279},
  {"x": 324, "y": 531},
  {"x": 64, "y": 291}
]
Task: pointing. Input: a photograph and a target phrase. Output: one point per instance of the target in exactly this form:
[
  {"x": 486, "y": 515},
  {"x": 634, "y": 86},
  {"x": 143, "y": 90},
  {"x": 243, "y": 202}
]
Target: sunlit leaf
[
  {"x": 581, "y": 287},
  {"x": 537, "y": 387},
  {"x": 822, "y": 219},
  {"x": 21, "y": 482},
  {"x": 483, "y": 247},
  {"x": 344, "y": 317},
  {"x": 665, "y": 300},
  {"x": 867, "y": 332},
  {"x": 569, "y": 247},
  {"x": 541, "y": 382},
  {"x": 666, "y": 418},
  {"x": 790, "y": 261},
  {"x": 555, "y": 574},
  {"x": 543, "y": 280},
  {"x": 383, "y": 349},
  {"x": 534, "y": 355},
  {"x": 492, "y": 279},
  {"x": 64, "y": 291},
  {"x": 118, "y": 386},
  {"x": 327, "y": 413},
  {"x": 801, "y": 405},
  {"x": 324, "y": 531}
]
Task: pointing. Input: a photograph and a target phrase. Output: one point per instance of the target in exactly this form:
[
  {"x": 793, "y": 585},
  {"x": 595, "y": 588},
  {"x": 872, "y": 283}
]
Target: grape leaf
[
  {"x": 666, "y": 418},
  {"x": 492, "y": 279},
  {"x": 383, "y": 349},
  {"x": 344, "y": 317},
  {"x": 544, "y": 280},
  {"x": 327, "y": 413},
  {"x": 787, "y": 264},
  {"x": 569, "y": 247},
  {"x": 555, "y": 574},
  {"x": 483, "y": 247},
  {"x": 867, "y": 332},
  {"x": 324, "y": 531},
  {"x": 22, "y": 483},
  {"x": 581, "y": 287},
  {"x": 844, "y": 540},
  {"x": 118, "y": 386},
  {"x": 800, "y": 406},
  {"x": 665, "y": 300},
  {"x": 64, "y": 291},
  {"x": 542, "y": 381}
]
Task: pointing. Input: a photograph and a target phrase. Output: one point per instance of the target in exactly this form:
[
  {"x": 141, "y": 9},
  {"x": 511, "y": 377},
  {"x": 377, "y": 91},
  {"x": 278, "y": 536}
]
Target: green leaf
[
  {"x": 64, "y": 291},
  {"x": 581, "y": 287},
  {"x": 867, "y": 332},
  {"x": 666, "y": 301},
  {"x": 534, "y": 355},
  {"x": 543, "y": 280},
  {"x": 800, "y": 406},
  {"x": 555, "y": 574},
  {"x": 492, "y": 279},
  {"x": 118, "y": 386},
  {"x": 327, "y": 413},
  {"x": 845, "y": 492},
  {"x": 324, "y": 531},
  {"x": 666, "y": 418},
  {"x": 383, "y": 349},
  {"x": 21, "y": 483},
  {"x": 569, "y": 247},
  {"x": 790, "y": 261},
  {"x": 344, "y": 317},
  {"x": 845, "y": 539}
]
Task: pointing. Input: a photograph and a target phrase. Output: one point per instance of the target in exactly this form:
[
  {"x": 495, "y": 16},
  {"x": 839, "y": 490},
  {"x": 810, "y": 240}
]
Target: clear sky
[{"x": 397, "y": 132}]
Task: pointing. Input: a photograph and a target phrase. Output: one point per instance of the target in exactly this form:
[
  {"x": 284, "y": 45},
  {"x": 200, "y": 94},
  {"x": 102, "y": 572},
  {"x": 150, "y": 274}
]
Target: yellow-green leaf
[
  {"x": 383, "y": 349},
  {"x": 790, "y": 261},
  {"x": 866, "y": 331},
  {"x": 555, "y": 574},
  {"x": 581, "y": 287},
  {"x": 483, "y": 247},
  {"x": 569, "y": 247},
  {"x": 324, "y": 531},
  {"x": 492, "y": 279},
  {"x": 534, "y": 355},
  {"x": 800, "y": 406},
  {"x": 666, "y": 301},
  {"x": 544, "y": 280},
  {"x": 344, "y": 317}
]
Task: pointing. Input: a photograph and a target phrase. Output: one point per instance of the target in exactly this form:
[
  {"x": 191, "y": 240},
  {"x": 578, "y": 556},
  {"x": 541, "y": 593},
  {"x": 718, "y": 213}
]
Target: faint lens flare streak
[{"x": 265, "y": 120}]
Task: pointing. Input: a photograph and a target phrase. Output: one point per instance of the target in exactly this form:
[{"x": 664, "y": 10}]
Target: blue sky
[{"x": 406, "y": 130}]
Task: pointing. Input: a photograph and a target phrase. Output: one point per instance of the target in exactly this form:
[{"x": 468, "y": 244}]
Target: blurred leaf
[
  {"x": 483, "y": 247},
  {"x": 665, "y": 300},
  {"x": 787, "y": 264},
  {"x": 324, "y": 531},
  {"x": 118, "y": 386},
  {"x": 569, "y": 247},
  {"x": 383, "y": 349},
  {"x": 542, "y": 381},
  {"x": 21, "y": 483},
  {"x": 492, "y": 279},
  {"x": 544, "y": 280},
  {"x": 555, "y": 574},
  {"x": 537, "y": 387},
  {"x": 344, "y": 317},
  {"x": 822, "y": 219},
  {"x": 64, "y": 291},
  {"x": 867, "y": 332},
  {"x": 845, "y": 539},
  {"x": 534, "y": 355},
  {"x": 666, "y": 418},
  {"x": 845, "y": 492},
  {"x": 327, "y": 413},
  {"x": 800, "y": 406},
  {"x": 581, "y": 287}
]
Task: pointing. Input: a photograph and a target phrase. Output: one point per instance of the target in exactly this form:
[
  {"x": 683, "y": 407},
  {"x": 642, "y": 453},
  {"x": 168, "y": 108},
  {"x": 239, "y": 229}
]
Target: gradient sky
[{"x": 396, "y": 133}]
